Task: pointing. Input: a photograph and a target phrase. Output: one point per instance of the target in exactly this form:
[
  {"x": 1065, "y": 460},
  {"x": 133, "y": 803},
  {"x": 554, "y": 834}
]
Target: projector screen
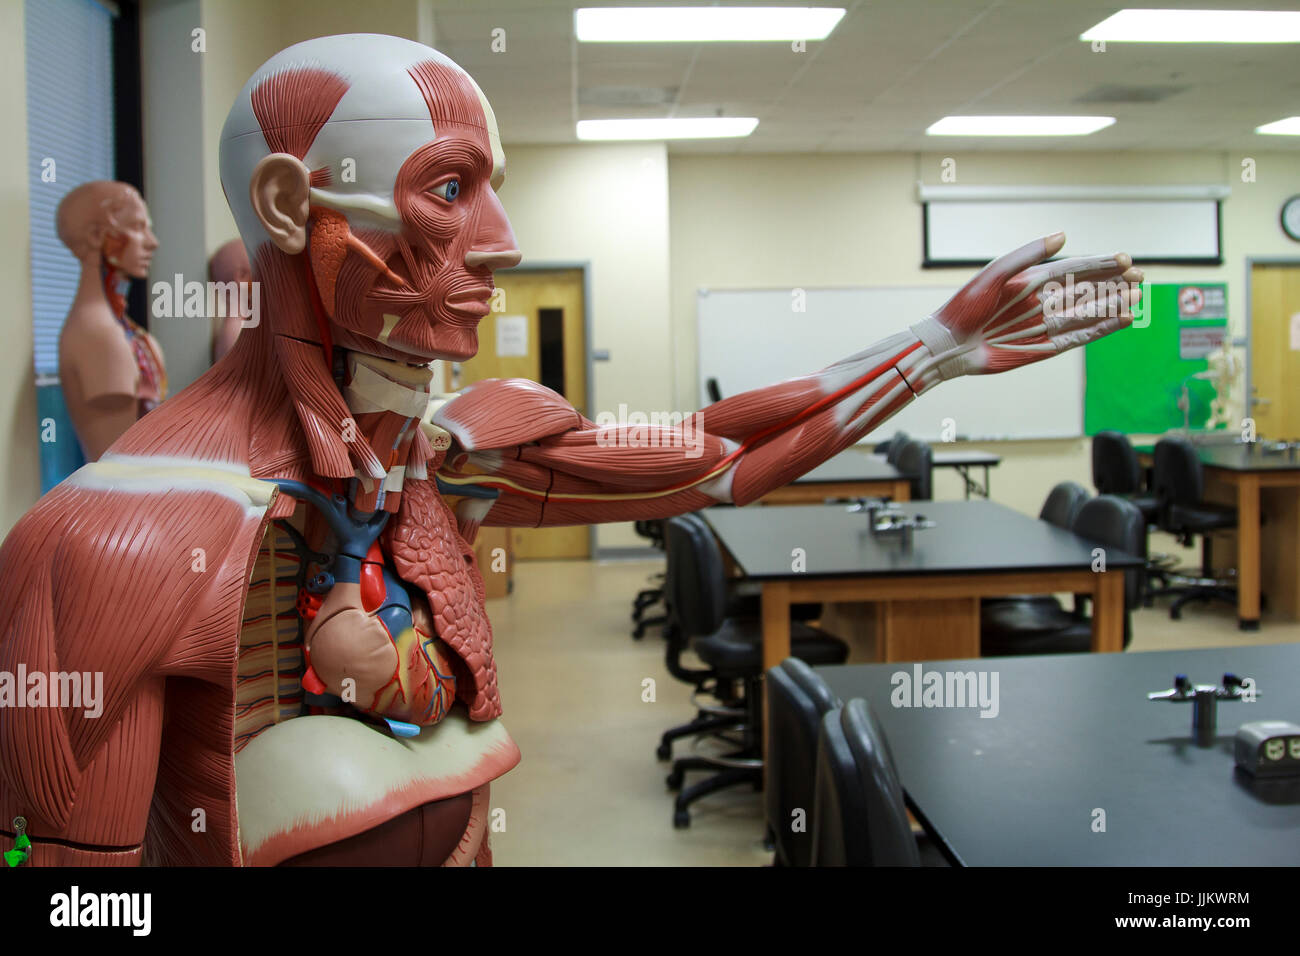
[{"x": 1154, "y": 229}]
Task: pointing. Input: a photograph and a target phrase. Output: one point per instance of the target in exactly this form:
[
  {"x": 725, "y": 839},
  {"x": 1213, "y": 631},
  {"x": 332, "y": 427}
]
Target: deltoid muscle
[{"x": 279, "y": 558}]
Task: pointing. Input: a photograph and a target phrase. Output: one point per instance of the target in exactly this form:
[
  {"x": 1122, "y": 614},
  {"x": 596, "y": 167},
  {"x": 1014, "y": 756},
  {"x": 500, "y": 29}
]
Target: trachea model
[{"x": 273, "y": 571}]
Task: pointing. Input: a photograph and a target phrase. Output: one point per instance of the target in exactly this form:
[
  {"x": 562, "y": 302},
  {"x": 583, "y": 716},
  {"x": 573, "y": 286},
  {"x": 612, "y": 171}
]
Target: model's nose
[
  {"x": 504, "y": 259},
  {"x": 494, "y": 245}
]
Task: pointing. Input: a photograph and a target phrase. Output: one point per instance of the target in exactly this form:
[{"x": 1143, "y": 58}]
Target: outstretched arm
[{"x": 547, "y": 465}]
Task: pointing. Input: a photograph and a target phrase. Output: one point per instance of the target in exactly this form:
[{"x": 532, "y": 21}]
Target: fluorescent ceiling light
[
  {"x": 703, "y": 24},
  {"x": 1019, "y": 125},
  {"x": 1198, "y": 26},
  {"x": 705, "y": 127},
  {"x": 1283, "y": 127}
]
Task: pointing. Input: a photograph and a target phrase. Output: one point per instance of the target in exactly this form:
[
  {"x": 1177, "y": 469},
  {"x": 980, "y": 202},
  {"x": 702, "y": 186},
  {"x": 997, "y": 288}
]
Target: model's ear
[
  {"x": 98, "y": 238},
  {"x": 280, "y": 193},
  {"x": 110, "y": 243}
]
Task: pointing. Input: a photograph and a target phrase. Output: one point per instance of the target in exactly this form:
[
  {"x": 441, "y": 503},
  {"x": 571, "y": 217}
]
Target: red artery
[{"x": 373, "y": 590}]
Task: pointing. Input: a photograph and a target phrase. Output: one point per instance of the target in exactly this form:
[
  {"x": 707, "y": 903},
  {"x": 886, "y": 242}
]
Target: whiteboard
[{"x": 750, "y": 338}]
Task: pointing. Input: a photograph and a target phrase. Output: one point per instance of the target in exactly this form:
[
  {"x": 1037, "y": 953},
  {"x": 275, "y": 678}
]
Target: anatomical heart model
[{"x": 279, "y": 557}]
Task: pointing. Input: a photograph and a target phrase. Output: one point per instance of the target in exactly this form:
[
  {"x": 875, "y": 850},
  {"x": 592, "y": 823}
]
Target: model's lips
[
  {"x": 471, "y": 301},
  {"x": 466, "y": 296},
  {"x": 479, "y": 309}
]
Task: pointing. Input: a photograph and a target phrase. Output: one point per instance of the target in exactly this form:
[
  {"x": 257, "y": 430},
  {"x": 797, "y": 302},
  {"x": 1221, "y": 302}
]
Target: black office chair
[
  {"x": 647, "y": 598},
  {"x": 1059, "y": 508},
  {"x": 859, "y": 816},
  {"x": 797, "y": 699},
  {"x": 916, "y": 461},
  {"x": 1115, "y": 471},
  {"x": 891, "y": 447},
  {"x": 731, "y": 649},
  {"x": 1179, "y": 482},
  {"x": 1044, "y": 627}
]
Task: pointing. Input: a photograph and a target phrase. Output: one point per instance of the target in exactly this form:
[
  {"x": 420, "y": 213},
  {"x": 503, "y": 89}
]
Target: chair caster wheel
[
  {"x": 674, "y": 780},
  {"x": 681, "y": 819},
  {"x": 664, "y": 751}
]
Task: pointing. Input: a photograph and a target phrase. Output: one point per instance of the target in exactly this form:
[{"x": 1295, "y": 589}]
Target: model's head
[
  {"x": 230, "y": 263},
  {"x": 379, "y": 158},
  {"x": 108, "y": 222}
]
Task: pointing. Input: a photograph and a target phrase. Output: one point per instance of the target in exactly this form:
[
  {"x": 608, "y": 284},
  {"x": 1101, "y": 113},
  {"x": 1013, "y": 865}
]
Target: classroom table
[
  {"x": 1075, "y": 734},
  {"x": 1264, "y": 486},
  {"x": 963, "y": 462},
  {"x": 850, "y": 474},
  {"x": 926, "y": 596}
]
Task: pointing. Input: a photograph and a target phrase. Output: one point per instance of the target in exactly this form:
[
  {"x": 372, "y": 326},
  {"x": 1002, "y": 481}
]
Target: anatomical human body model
[
  {"x": 110, "y": 368},
  {"x": 228, "y": 265},
  {"x": 279, "y": 558}
]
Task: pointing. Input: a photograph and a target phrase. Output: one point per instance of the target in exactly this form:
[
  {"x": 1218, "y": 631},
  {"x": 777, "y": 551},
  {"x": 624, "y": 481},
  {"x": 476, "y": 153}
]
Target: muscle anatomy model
[
  {"x": 273, "y": 570},
  {"x": 110, "y": 368}
]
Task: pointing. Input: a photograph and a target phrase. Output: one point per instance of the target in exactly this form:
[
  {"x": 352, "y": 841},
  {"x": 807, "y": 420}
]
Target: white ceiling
[{"x": 889, "y": 70}]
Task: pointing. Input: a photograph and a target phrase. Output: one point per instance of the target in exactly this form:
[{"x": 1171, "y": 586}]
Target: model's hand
[{"x": 1021, "y": 309}]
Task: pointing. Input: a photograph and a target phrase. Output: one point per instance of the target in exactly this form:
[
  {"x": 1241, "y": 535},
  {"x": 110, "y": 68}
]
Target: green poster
[{"x": 1136, "y": 378}]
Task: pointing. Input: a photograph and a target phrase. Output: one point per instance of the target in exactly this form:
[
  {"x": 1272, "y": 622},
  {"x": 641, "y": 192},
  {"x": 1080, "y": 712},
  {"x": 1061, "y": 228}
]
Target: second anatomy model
[{"x": 274, "y": 569}]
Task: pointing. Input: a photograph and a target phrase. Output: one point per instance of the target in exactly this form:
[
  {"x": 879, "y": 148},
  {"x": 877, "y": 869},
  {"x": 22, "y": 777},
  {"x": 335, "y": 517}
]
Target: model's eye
[{"x": 448, "y": 190}]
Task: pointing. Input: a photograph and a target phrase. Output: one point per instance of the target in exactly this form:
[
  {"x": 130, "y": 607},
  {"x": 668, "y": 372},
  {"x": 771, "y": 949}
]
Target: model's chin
[{"x": 459, "y": 346}]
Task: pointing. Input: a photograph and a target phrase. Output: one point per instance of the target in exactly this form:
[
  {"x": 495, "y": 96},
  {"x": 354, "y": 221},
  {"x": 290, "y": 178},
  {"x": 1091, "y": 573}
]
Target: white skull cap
[{"x": 378, "y": 123}]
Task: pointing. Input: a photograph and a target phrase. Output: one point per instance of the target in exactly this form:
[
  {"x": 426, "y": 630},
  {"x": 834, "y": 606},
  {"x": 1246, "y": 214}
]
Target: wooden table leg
[
  {"x": 776, "y": 623},
  {"x": 1248, "y": 552},
  {"x": 1108, "y": 612},
  {"x": 776, "y": 643}
]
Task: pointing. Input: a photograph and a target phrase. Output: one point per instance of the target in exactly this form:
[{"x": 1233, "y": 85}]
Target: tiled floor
[{"x": 589, "y": 789}]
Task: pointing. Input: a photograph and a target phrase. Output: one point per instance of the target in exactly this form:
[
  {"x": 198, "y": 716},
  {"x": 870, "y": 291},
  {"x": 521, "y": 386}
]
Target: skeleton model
[
  {"x": 1224, "y": 372},
  {"x": 273, "y": 570}
]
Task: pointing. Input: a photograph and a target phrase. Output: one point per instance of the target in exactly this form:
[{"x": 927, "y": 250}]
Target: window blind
[{"x": 69, "y": 138}]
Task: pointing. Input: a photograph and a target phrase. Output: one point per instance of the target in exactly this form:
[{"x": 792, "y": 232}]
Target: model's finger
[
  {"x": 1086, "y": 315},
  {"x": 1079, "y": 268},
  {"x": 1027, "y": 255}
]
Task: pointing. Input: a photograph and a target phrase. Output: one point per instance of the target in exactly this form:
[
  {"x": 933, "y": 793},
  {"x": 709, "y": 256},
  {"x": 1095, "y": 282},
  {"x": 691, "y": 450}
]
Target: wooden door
[
  {"x": 1275, "y": 350},
  {"x": 537, "y": 330}
]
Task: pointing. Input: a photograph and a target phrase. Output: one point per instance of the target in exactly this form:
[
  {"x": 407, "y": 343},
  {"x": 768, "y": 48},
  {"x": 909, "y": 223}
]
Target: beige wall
[
  {"x": 853, "y": 219},
  {"x": 19, "y": 457},
  {"x": 171, "y": 93}
]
